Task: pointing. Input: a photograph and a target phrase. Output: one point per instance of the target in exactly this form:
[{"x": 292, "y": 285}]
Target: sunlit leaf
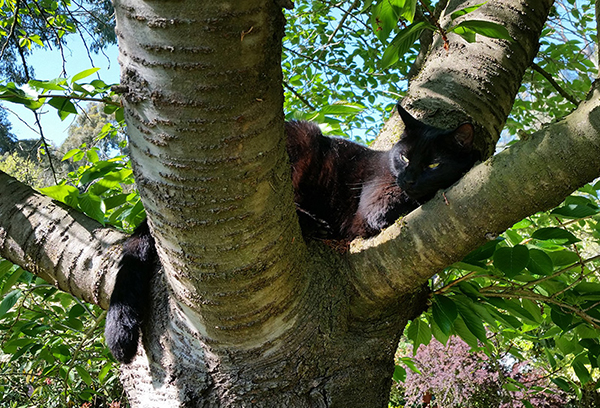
[
  {"x": 465, "y": 10},
  {"x": 63, "y": 193},
  {"x": 83, "y": 74},
  {"x": 485, "y": 28}
]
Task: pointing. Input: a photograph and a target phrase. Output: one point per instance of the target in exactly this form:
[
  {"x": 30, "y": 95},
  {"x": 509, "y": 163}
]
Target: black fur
[
  {"x": 342, "y": 190},
  {"x": 130, "y": 295}
]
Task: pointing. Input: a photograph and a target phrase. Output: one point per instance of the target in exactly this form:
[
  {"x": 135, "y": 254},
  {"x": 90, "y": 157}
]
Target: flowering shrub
[{"x": 452, "y": 377}]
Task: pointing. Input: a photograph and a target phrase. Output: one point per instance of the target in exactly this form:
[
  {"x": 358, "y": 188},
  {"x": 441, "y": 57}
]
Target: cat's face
[{"x": 428, "y": 159}]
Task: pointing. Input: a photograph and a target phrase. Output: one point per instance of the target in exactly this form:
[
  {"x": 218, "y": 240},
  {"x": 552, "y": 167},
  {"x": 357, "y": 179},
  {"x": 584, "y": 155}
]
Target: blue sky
[{"x": 48, "y": 65}]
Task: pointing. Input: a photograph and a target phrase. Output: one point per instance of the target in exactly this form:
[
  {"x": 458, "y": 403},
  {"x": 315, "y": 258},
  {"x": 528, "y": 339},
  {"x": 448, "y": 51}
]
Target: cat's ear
[
  {"x": 464, "y": 135},
  {"x": 409, "y": 121}
]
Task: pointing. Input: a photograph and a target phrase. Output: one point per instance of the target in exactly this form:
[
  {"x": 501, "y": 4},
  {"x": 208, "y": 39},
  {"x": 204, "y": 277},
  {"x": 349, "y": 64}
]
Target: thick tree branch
[
  {"x": 60, "y": 245},
  {"x": 531, "y": 176}
]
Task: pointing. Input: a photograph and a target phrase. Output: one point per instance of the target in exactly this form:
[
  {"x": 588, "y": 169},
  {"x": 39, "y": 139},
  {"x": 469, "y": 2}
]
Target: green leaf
[
  {"x": 539, "y": 262},
  {"x": 64, "y": 106},
  {"x": 511, "y": 261},
  {"x": 563, "y": 258},
  {"x": 461, "y": 329},
  {"x": 562, "y": 384},
  {"x": 561, "y": 319},
  {"x": 466, "y": 10},
  {"x": 588, "y": 287},
  {"x": 70, "y": 154},
  {"x": 6, "y": 266},
  {"x": 401, "y": 44},
  {"x": 57, "y": 84},
  {"x": 581, "y": 370},
  {"x": 471, "y": 266},
  {"x": 444, "y": 313},
  {"x": 484, "y": 252},
  {"x": 115, "y": 201},
  {"x": 9, "y": 301},
  {"x": 10, "y": 282},
  {"x": 533, "y": 309},
  {"x": 522, "y": 224},
  {"x": 104, "y": 371},
  {"x": 120, "y": 115},
  {"x": 473, "y": 322},
  {"x": 63, "y": 193},
  {"x": 419, "y": 333},
  {"x": 93, "y": 206},
  {"x": 386, "y": 14},
  {"x": 76, "y": 311},
  {"x": 485, "y": 28},
  {"x": 550, "y": 358},
  {"x": 84, "y": 74},
  {"x": 512, "y": 306},
  {"x": 399, "y": 374},
  {"x": 92, "y": 156},
  {"x": 557, "y": 235},
  {"x": 84, "y": 374},
  {"x": 409, "y": 10},
  {"x": 575, "y": 211},
  {"x": 342, "y": 109},
  {"x": 384, "y": 18},
  {"x": 438, "y": 334}
]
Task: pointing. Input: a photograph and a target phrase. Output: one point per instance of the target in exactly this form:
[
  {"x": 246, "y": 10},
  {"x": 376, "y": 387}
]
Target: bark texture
[{"x": 58, "y": 244}]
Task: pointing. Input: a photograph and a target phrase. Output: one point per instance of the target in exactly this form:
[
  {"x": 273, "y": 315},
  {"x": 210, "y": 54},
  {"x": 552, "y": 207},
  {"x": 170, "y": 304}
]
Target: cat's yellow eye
[
  {"x": 433, "y": 165},
  {"x": 404, "y": 158}
]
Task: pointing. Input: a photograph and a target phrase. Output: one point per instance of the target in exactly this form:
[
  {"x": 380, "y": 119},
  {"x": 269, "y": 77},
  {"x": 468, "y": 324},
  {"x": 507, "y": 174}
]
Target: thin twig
[
  {"x": 344, "y": 17},
  {"x": 78, "y": 98},
  {"x": 292, "y": 90},
  {"x": 555, "y": 84},
  {"x": 19, "y": 118},
  {"x": 436, "y": 22},
  {"x": 13, "y": 27},
  {"x": 46, "y": 146},
  {"x": 456, "y": 282}
]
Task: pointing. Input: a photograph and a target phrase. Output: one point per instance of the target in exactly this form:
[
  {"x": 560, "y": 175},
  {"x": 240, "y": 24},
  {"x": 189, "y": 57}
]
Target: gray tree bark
[{"x": 245, "y": 313}]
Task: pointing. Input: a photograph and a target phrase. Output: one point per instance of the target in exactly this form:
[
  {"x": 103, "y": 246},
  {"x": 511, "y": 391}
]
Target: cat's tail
[{"x": 130, "y": 297}]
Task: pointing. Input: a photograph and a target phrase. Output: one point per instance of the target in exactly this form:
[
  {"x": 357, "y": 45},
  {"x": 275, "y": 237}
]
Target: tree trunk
[{"x": 244, "y": 312}]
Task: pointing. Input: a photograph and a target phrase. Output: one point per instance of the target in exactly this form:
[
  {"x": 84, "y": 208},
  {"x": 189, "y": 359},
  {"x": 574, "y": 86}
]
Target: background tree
[
  {"x": 259, "y": 315},
  {"x": 7, "y": 138}
]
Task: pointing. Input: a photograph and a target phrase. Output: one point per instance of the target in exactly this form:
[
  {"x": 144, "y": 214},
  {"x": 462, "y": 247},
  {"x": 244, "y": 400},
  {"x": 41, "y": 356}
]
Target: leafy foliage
[
  {"x": 7, "y": 138},
  {"x": 52, "y": 353},
  {"x": 25, "y": 25},
  {"x": 566, "y": 56},
  {"x": 534, "y": 292},
  {"x": 23, "y": 169},
  {"x": 101, "y": 189}
]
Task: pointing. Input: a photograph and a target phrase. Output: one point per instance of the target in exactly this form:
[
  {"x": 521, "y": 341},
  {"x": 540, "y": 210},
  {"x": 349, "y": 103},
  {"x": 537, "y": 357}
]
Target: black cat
[{"x": 343, "y": 190}]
